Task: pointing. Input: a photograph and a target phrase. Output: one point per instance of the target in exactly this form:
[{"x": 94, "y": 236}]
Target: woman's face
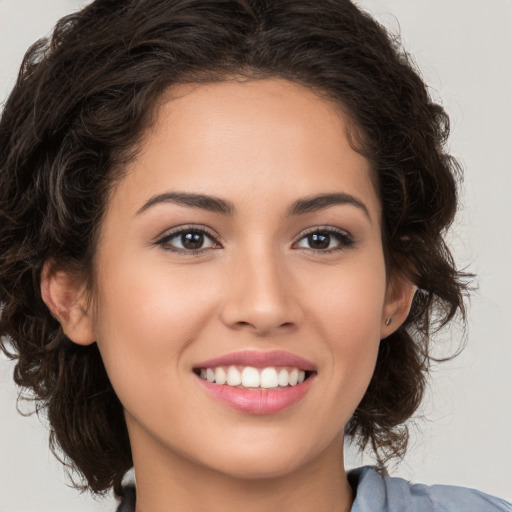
[{"x": 246, "y": 229}]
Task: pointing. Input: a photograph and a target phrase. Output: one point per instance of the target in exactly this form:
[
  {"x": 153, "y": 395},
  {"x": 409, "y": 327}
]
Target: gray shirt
[{"x": 377, "y": 493}]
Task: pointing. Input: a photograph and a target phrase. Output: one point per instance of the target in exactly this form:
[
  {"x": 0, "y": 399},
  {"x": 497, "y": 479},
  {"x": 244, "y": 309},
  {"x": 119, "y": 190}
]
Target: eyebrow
[
  {"x": 321, "y": 201},
  {"x": 210, "y": 203},
  {"x": 222, "y": 206}
]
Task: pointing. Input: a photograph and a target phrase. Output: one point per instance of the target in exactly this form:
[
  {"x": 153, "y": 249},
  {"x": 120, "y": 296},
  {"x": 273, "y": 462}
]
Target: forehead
[{"x": 240, "y": 139}]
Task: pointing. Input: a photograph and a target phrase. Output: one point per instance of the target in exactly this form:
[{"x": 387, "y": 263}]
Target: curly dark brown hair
[{"x": 81, "y": 103}]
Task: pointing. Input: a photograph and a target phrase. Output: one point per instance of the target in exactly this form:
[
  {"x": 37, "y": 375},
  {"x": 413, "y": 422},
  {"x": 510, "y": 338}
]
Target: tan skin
[{"x": 256, "y": 283}]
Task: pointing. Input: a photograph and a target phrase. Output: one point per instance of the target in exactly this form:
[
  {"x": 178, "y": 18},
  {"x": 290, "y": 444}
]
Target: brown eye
[
  {"x": 319, "y": 240},
  {"x": 192, "y": 240},
  {"x": 326, "y": 240},
  {"x": 188, "y": 241}
]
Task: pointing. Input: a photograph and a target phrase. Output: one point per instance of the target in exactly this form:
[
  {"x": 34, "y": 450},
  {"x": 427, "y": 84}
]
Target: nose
[{"x": 259, "y": 295}]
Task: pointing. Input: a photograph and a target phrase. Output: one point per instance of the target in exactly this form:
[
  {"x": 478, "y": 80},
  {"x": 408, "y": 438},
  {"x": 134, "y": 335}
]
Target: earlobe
[
  {"x": 64, "y": 294},
  {"x": 398, "y": 304}
]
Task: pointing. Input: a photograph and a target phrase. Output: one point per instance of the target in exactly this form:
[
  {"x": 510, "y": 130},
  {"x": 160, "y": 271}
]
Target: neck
[{"x": 169, "y": 482}]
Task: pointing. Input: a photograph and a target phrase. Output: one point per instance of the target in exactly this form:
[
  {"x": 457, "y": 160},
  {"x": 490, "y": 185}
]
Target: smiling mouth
[{"x": 249, "y": 377}]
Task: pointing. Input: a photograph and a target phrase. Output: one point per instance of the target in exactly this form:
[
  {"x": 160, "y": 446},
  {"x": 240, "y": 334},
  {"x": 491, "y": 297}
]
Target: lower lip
[{"x": 258, "y": 401}]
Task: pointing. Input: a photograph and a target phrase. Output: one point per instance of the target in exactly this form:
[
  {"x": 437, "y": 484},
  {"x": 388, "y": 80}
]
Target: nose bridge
[{"x": 259, "y": 294}]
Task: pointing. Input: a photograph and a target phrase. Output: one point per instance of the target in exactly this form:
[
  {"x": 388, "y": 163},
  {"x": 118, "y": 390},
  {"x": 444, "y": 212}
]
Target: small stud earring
[{"x": 387, "y": 322}]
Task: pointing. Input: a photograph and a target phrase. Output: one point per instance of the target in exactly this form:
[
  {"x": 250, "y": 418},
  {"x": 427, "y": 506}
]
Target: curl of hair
[{"x": 80, "y": 105}]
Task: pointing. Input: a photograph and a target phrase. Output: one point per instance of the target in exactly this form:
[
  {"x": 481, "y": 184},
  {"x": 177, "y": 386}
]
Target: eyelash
[
  {"x": 345, "y": 240},
  {"x": 164, "y": 241}
]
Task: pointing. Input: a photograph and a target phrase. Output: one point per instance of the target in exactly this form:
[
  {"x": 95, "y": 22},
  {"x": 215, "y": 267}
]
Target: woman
[{"x": 223, "y": 336}]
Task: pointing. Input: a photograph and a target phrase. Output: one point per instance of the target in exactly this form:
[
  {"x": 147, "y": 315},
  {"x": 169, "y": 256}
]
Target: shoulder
[{"x": 382, "y": 493}]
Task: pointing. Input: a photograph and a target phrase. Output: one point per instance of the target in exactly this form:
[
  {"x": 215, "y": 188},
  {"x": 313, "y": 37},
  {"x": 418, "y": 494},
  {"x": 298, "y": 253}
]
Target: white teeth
[
  {"x": 234, "y": 377},
  {"x": 282, "y": 378},
  {"x": 269, "y": 378},
  {"x": 250, "y": 377},
  {"x": 293, "y": 377},
  {"x": 220, "y": 376}
]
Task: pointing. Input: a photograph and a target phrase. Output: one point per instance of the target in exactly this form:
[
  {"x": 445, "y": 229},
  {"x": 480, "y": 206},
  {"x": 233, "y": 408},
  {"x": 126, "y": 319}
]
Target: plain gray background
[{"x": 464, "y": 49}]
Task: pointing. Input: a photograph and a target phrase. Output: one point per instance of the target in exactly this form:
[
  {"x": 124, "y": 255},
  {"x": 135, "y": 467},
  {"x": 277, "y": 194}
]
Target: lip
[
  {"x": 258, "y": 359},
  {"x": 257, "y": 401}
]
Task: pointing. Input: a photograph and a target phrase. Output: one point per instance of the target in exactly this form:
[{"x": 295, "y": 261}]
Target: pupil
[
  {"x": 319, "y": 241},
  {"x": 192, "y": 240}
]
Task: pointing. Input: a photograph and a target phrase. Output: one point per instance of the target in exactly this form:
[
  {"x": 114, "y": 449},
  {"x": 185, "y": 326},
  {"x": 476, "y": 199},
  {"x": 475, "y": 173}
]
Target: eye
[
  {"x": 188, "y": 240},
  {"x": 326, "y": 240}
]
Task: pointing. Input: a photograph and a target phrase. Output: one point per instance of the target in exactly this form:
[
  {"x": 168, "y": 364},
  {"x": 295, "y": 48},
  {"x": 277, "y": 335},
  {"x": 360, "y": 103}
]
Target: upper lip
[{"x": 258, "y": 359}]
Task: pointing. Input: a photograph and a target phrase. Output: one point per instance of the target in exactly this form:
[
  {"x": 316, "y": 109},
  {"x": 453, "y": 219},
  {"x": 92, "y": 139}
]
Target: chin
[
  {"x": 260, "y": 467},
  {"x": 263, "y": 460}
]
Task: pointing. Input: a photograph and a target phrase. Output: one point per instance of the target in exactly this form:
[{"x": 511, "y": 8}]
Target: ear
[
  {"x": 66, "y": 298},
  {"x": 399, "y": 296}
]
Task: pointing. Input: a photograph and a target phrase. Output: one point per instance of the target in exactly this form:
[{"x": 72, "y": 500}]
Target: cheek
[
  {"x": 144, "y": 322},
  {"x": 349, "y": 316},
  {"x": 349, "y": 300}
]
